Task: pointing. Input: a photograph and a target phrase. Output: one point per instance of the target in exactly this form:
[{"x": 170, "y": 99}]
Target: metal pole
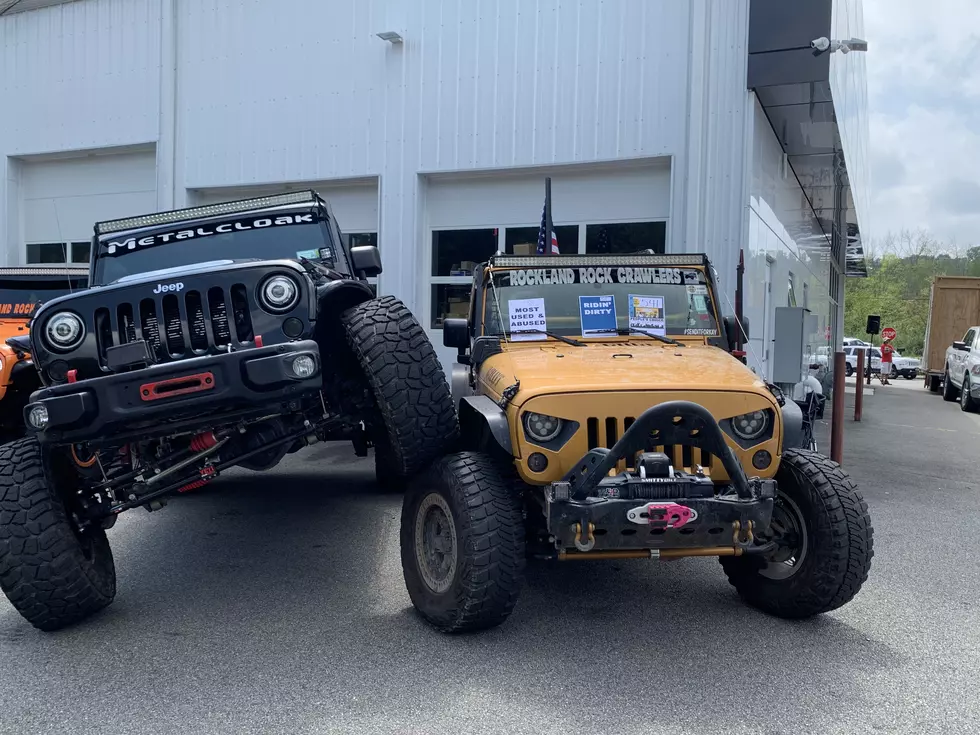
[
  {"x": 869, "y": 358},
  {"x": 859, "y": 390},
  {"x": 837, "y": 417}
]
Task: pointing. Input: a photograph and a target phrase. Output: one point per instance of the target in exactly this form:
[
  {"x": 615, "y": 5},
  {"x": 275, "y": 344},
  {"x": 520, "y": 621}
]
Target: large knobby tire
[
  {"x": 950, "y": 393},
  {"x": 824, "y": 522},
  {"x": 463, "y": 543},
  {"x": 411, "y": 393},
  {"x": 53, "y": 575}
]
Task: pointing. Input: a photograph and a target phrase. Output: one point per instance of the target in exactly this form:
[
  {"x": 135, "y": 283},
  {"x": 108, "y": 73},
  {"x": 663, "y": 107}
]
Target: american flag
[{"x": 543, "y": 237}]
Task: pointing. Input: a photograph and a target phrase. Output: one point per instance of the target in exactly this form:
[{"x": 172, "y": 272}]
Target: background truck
[{"x": 954, "y": 307}]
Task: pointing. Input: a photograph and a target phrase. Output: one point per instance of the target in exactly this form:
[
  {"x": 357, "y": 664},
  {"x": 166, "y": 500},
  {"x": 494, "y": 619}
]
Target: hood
[
  {"x": 615, "y": 366},
  {"x": 180, "y": 270}
]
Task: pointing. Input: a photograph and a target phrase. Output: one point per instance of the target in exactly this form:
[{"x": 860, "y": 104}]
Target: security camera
[{"x": 820, "y": 44}]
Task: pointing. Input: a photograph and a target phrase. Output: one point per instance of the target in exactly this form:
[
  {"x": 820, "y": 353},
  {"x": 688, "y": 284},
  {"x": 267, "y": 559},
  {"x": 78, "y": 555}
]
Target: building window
[
  {"x": 791, "y": 292},
  {"x": 626, "y": 237},
  {"x": 524, "y": 240},
  {"x": 58, "y": 252},
  {"x": 81, "y": 252},
  {"x": 358, "y": 239},
  {"x": 455, "y": 253},
  {"x": 450, "y": 301}
]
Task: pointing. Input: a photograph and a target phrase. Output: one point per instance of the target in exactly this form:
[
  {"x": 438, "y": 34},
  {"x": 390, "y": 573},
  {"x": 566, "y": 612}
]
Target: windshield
[
  {"x": 257, "y": 238},
  {"x": 600, "y": 302},
  {"x": 19, "y": 298}
]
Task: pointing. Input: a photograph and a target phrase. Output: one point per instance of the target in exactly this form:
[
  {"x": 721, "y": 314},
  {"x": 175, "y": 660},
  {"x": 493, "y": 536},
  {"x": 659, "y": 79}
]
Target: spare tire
[{"x": 412, "y": 397}]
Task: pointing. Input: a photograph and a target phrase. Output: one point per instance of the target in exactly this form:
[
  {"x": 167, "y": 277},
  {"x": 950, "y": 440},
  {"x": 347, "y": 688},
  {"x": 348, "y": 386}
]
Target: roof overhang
[{"x": 792, "y": 82}]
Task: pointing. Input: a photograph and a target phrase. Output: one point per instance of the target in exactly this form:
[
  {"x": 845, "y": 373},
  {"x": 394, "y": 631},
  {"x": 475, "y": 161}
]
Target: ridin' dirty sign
[{"x": 598, "y": 315}]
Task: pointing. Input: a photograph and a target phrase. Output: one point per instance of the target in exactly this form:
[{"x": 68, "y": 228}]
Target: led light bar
[
  {"x": 209, "y": 210},
  {"x": 586, "y": 261},
  {"x": 52, "y": 271}
]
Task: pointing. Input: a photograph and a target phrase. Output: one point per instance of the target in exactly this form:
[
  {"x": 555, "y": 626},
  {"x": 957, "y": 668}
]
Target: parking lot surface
[{"x": 274, "y": 603}]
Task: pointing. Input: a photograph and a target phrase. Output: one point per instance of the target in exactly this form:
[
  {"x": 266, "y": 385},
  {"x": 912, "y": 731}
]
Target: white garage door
[
  {"x": 613, "y": 208},
  {"x": 355, "y": 205},
  {"x": 64, "y": 198}
]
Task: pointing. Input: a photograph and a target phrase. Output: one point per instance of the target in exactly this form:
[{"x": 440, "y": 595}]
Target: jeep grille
[
  {"x": 178, "y": 325},
  {"x": 604, "y": 432}
]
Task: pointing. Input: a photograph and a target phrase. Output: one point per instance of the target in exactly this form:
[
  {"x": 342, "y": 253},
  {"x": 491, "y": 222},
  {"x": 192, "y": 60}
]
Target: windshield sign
[
  {"x": 600, "y": 302},
  {"x": 18, "y": 300},
  {"x": 263, "y": 237}
]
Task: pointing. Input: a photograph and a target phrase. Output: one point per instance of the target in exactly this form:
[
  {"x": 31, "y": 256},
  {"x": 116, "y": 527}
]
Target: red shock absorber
[
  {"x": 207, "y": 474},
  {"x": 204, "y": 440}
]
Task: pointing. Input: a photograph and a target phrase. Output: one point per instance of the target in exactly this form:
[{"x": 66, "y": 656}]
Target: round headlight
[
  {"x": 279, "y": 294},
  {"x": 750, "y": 425},
  {"x": 64, "y": 330},
  {"x": 541, "y": 427}
]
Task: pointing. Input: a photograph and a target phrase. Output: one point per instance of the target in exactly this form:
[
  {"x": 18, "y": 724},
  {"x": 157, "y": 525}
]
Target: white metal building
[{"x": 683, "y": 125}]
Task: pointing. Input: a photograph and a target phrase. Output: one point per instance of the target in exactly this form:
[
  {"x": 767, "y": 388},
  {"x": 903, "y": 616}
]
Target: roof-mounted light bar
[
  {"x": 209, "y": 210},
  {"x": 52, "y": 271},
  {"x": 587, "y": 261}
]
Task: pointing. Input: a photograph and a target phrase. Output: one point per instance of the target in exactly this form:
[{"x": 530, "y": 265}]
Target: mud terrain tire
[
  {"x": 407, "y": 381},
  {"x": 476, "y": 508},
  {"x": 53, "y": 575},
  {"x": 836, "y": 542}
]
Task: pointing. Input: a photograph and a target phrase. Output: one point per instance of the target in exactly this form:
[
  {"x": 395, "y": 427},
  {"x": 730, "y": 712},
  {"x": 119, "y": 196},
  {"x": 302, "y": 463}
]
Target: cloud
[{"x": 924, "y": 97}]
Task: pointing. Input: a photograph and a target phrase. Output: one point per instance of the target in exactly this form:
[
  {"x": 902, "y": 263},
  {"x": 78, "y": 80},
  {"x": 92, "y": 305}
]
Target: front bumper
[
  {"x": 172, "y": 393},
  {"x": 588, "y": 510}
]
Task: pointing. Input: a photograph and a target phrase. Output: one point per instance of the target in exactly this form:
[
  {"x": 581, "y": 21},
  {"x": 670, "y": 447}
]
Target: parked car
[
  {"x": 961, "y": 374},
  {"x": 906, "y": 367}
]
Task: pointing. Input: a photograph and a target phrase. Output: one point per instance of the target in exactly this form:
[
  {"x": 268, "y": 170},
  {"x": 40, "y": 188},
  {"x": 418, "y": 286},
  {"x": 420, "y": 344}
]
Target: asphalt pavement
[{"x": 274, "y": 603}]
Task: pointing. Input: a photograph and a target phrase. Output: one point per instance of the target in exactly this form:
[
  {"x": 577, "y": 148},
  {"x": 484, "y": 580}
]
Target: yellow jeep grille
[{"x": 606, "y": 431}]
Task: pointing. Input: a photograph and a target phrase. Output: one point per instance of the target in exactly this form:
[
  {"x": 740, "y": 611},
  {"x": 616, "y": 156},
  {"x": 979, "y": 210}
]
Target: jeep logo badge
[{"x": 168, "y": 287}]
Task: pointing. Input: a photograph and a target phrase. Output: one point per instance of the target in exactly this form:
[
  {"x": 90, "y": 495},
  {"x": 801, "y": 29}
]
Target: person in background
[{"x": 886, "y": 361}]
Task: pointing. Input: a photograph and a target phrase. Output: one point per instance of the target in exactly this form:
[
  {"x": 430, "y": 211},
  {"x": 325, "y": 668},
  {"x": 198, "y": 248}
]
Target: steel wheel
[
  {"x": 788, "y": 530},
  {"x": 435, "y": 543}
]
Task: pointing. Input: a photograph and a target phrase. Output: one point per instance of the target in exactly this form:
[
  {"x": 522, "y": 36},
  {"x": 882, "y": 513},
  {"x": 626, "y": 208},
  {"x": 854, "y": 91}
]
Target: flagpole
[{"x": 549, "y": 226}]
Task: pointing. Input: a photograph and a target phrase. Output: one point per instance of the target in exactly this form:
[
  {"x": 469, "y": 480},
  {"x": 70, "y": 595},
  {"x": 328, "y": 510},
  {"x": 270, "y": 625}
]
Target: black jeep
[{"x": 212, "y": 337}]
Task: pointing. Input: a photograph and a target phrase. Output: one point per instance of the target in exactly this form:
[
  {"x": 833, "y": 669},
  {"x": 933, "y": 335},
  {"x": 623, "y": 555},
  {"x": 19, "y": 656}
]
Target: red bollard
[
  {"x": 859, "y": 390},
  {"x": 837, "y": 417}
]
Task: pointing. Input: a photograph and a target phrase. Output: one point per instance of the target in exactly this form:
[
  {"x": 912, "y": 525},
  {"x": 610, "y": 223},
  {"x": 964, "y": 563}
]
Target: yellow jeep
[
  {"x": 603, "y": 417},
  {"x": 22, "y": 289}
]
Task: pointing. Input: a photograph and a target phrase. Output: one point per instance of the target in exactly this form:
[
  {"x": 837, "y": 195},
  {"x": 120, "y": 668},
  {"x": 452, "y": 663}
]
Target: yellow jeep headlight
[
  {"x": 541, "y": 427},
  {"x": 750, "y": 426}
]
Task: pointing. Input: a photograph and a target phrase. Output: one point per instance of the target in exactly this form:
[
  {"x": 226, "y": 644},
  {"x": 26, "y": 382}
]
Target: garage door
[
  {"x": 64, "y": 198},
  {"x": 608, "y": 209},
  {"x": 355, "y": 205}
]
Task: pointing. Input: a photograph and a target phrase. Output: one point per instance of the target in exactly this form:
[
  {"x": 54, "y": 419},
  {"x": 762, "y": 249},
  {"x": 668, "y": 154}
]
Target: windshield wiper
[
  {"x": 560, "y": 338},
  {"x": 645, "y": 333}
]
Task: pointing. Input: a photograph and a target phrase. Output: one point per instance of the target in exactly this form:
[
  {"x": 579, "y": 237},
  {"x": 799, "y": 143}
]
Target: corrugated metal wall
[
  {"x": 80, "y": 75},
  {"x": 259, "y": 92}
]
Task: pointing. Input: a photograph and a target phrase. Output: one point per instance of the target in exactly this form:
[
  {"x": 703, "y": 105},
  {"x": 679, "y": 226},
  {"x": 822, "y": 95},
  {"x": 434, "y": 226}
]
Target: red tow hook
[
  {"x": 258, "y": 340},
  {"x": 671, "y": 515}
]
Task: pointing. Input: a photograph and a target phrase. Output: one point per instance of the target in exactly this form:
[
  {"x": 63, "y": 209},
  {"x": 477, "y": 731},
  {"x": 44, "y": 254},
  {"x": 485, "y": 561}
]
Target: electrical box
[{"x": 793, "y": 344}]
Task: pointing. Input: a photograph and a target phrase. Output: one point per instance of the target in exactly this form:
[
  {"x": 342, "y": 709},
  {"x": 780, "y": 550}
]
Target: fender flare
[
  {"x": 792, "y": 426},
  {"x": 481, "y": 421}
]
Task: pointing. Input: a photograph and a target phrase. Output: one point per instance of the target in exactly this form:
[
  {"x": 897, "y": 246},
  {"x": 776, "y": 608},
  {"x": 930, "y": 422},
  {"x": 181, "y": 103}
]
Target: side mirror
[
  {"x": 366, "y": 260},
  {"x": 961, "y": 346},
  {"x": 731, "y": 330},
  {"x": 456, "y": 333}
]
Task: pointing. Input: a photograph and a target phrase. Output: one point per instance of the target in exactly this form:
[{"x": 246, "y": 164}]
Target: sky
[{"x": 923, "y": 63}]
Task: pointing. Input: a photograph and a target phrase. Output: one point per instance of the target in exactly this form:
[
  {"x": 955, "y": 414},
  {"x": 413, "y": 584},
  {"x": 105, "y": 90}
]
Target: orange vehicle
[{"x": 22, "y": 289}]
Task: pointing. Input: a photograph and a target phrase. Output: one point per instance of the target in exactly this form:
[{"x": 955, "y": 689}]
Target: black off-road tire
[
  {"x": 848, "y": 370},
  {"x": 414, "y": 405},
  {"x": 967, "y": 402},
  {"x": 482, "y": 580},
  {"x": 52, "y": 575},
  {"x": 838, "y": 542},
  {"x": 950, "y": 392}
]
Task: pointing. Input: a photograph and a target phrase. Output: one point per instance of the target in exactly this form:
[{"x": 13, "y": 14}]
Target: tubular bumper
[
  {"x": 589, "y": 510},
  {"x": 206, "y": 386}
]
